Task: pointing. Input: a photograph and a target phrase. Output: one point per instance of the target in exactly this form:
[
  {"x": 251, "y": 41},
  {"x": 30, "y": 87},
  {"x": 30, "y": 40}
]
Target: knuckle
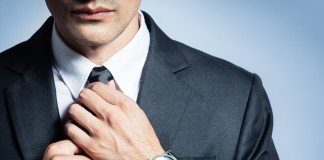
[
  {"x": 96, "y": 86},
  {"x": 111, "y": 113},
  {"x": 69, "y": 130},
  {"x": 84, "y": 94},
  {"x": 92, "y": 147},
  {"x": 73, "y": 109},
  {"x": 52, "y": 148},
  {"x": 115, "y": 123},
  {"x": 127, "y": 106},
  {"x": 56, "y": 158},
  {"x": 124, "y": 104},
  {"x": 99, "y": 131},
  {"x": 116, "y": 119},
  {"x": 108, "y": 111}
]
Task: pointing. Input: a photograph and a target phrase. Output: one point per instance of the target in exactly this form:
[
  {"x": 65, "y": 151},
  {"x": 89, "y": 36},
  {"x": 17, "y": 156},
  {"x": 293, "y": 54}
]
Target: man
[{"x": 160, "y": 94}]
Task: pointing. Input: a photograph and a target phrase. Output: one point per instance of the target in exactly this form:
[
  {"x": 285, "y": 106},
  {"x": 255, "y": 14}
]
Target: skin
[
  {"x": 65, "y": 149},
  {"x": 119, "y": 130},
  {"x": 101, "y": 39}
]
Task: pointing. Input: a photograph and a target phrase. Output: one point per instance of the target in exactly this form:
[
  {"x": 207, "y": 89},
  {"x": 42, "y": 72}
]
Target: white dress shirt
[{"x": 71, "y": 69}]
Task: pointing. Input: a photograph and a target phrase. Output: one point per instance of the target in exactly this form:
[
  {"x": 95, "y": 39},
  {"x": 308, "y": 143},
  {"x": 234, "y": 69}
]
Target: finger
[
  {"x": 112, "y": 84},
  {"x": 77, "y": 135},
  {"x": 83, "y": 117},
  {"x": 64, "y": 147},
  {"x": 95, "y": 103},
  {"x": 110, "y": 94},
  {"x": 69, "y": 157}
]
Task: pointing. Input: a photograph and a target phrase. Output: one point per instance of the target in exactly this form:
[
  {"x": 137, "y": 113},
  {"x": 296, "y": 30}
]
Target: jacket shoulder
[
  {"x": 12, "y": 53},
  {"x": 12, "y": 57},
  {"x": 216, "y": 79},
  {"x": 34, "y": 49},
  {"x": 210, "y": 66}
]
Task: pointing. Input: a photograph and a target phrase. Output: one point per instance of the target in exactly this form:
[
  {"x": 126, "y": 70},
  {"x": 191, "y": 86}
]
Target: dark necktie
[{"x": 100, "y": 74}]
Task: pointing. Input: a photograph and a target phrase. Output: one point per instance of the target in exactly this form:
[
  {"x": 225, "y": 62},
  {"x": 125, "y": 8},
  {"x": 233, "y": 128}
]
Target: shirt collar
[{"x": 125, "y": 66}]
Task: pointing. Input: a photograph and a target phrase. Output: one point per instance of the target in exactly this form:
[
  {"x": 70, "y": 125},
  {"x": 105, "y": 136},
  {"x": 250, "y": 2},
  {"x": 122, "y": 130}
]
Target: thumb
[{"x": 64, "y": 147}]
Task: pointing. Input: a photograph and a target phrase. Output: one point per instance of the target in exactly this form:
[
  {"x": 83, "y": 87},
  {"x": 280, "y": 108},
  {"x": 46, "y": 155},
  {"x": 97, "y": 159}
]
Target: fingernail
[{"x": 112, "y": 84}]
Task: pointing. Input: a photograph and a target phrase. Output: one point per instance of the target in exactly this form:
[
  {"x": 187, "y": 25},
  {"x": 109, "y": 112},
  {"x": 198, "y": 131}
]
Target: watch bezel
[{"x": 165, "y": 156}]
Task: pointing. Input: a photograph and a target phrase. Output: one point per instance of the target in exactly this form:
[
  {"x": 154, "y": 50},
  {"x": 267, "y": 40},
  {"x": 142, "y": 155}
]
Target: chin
[
  {"x": 94, "y": 36},
  {"x": 94, "y": 43}
]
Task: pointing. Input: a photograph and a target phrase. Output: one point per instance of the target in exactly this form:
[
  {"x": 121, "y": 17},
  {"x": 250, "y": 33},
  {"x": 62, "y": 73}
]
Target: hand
[
  {"x": 118, "y": 130},
  {"x": 63, "y": 150}
]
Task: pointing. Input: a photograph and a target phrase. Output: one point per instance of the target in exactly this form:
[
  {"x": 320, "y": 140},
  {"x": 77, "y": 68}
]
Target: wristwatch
[{"x": 165, "y": 156}]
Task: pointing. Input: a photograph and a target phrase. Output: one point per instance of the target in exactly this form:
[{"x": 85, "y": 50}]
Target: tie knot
[{"x": 100, "y": 74}]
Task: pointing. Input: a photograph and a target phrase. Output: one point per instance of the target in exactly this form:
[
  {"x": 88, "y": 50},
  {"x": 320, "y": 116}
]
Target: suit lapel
[
  {"x": 32, "y": 100},
  {"x": 162, "y": 95},
  {"x": 163, "y": 98},
  {"x": 33, "y": 109}
]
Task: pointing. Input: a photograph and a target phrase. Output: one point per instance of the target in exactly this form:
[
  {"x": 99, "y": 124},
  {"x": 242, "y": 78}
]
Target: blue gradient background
[{"x": 280, "y": 40}]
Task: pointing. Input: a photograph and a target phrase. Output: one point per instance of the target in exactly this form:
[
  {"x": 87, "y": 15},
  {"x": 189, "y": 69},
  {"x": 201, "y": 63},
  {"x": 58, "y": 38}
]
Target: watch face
[{"x": 163, "y": 157}]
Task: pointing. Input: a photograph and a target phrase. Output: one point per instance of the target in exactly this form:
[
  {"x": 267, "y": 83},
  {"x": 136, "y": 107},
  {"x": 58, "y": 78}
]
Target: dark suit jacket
[{"x": 201, "y": 107}]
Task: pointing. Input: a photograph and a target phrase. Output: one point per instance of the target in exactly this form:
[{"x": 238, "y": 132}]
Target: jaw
[{"x": 99, "y": 40}]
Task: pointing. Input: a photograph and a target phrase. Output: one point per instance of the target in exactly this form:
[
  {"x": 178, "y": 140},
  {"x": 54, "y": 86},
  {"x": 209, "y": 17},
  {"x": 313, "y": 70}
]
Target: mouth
[{"x": 92, "y": 14}]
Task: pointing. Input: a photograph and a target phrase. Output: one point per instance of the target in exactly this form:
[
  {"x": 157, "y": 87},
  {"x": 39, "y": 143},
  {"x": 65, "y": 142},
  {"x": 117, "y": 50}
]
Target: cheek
[
  {"x": 57, "y": 9},
  {"x": 129, "y": 7},
  {"x": 52, "y": 6}
]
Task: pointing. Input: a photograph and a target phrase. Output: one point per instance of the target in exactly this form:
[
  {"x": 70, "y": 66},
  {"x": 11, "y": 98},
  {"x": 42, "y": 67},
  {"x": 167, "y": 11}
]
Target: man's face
[{"x": 92, "y": 22}]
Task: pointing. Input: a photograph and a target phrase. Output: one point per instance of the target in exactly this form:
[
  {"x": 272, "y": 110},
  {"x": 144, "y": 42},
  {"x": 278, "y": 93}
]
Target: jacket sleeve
[{"x": 255, "y": 140}]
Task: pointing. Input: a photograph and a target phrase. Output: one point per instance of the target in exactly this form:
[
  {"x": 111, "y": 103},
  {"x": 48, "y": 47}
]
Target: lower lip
[{"x": 92, "y": 16}]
